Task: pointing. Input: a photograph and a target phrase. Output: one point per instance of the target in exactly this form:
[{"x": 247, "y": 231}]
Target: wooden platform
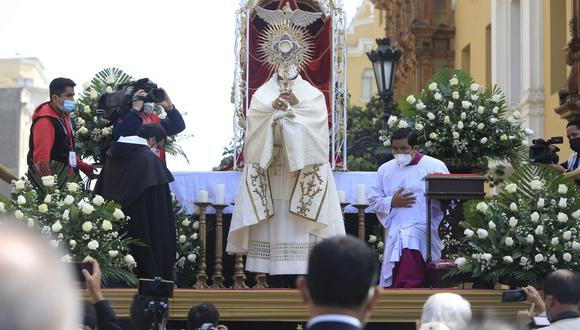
[{"x": 271, "y": 305}]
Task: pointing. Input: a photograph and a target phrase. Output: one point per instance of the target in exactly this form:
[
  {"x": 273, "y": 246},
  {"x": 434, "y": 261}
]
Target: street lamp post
[{"x": 384, "y": 60}]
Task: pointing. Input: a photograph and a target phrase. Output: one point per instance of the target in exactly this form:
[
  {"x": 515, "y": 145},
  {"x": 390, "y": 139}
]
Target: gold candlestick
[
  {"x": 239, "y": 274},
  {"x": 261, "y": 281},
  {"x": 218, "y": 277},
  {"x": 361, "y": 220},
  {"x": 201, "y": 277}
]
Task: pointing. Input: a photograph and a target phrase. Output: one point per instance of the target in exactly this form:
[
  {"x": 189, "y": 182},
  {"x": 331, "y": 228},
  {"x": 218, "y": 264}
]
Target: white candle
[
  {"x": 342, "y": 196},
  {"x": 219, "y": 194},
  {"x": 360, "y": 194},
  {"x": 202, "y": 196}
]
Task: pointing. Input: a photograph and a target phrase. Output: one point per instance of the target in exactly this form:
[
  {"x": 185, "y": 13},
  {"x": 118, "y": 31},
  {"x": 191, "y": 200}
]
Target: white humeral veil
[{"x": 287, "y": 199}]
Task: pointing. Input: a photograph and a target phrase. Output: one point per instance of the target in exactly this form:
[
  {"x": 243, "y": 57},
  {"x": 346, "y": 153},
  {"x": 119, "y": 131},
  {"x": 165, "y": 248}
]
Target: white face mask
[
  {"x": 403, "y": 159},
  {"x": 148, "y": 107}
]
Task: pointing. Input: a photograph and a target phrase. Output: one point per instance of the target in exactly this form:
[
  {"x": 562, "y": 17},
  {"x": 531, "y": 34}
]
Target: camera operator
[
  {"x": 145, "y": 311},
  {"x": 573, "y": 134},
  {"x": 204, "y": 316},
  {"x": 142, "y": 113},
  {"x": 106, "y": 319}
]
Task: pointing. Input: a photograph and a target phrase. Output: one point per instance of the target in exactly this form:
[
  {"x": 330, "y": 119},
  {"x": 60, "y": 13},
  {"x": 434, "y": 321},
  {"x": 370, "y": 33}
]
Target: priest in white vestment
[
  {"x": 398, "y": 199},
  {"x": 287, "y": 199}
]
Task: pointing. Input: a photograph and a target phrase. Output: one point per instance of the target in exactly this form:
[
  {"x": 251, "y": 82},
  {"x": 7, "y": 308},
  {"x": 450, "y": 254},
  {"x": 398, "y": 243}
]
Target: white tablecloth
[{"x": 188, "y": 184}]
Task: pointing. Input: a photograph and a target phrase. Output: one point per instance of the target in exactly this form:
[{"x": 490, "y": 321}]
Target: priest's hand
[
  {"x": 290, "y": 97},
  {"x": 401, "y": 199},
  {"x": 280, "y": 104}
]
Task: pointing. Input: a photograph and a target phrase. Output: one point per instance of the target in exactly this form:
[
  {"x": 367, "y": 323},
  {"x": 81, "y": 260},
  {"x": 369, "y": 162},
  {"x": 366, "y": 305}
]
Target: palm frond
[{"x": 443, "y": 75}]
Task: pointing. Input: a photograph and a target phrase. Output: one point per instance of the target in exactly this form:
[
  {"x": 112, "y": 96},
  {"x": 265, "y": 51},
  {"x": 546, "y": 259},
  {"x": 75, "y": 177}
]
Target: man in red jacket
[{"x": 51, "y": 133}]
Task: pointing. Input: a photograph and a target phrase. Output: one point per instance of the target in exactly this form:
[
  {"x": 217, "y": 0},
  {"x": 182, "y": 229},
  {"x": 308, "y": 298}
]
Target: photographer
[
  {"x": 142, "y": 113},
  {"x": 573, "y": 134},
  {"x": 106, "y": 319},
  {"x": 204, "y": 316}
]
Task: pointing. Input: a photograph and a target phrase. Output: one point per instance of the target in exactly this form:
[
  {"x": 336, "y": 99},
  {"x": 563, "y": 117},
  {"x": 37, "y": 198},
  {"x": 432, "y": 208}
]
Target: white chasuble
[{"x": 288, "y": 200}]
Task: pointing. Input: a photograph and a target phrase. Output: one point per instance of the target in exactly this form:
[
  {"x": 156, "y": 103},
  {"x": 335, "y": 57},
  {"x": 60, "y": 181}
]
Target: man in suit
[{"x": 341, "y": 286}]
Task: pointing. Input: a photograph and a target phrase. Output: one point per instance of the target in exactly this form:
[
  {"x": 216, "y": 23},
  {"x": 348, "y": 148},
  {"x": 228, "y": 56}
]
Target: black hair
[
  {"x": 405, "y": 134},
  {"x": 152, "y": 130},
  {"x": 141, "y": 316},
  {"x": 59, "y": 85},
  {"x": 574, "y": 122},
  {"x": 564, "y": 286},
  {"x": 341, "y": 271},
  {"x": 200, "y": 314}
]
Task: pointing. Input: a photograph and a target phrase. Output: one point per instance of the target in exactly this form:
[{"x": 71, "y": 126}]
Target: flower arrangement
[
  {"x": 188, "y": 245},
  {"x": 376, "y": 243},
  {"x": 81, "y": 226},
  {"x": 458, "y": 119},
  {"x": 525, "y": 232}
]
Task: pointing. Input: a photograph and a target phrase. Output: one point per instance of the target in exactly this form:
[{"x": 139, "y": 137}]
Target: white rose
[
  {"x": 87, "y": 209},
  {"x": 480, "y": 126},
  {"x": 56, "y": 227},
  {"x": 66, "y": 258},
  {"x": 563, "y": 203},
  {"x": 191, "y": 258},
  {"x": 419, "y": 127},
  {"x": 463, "y": 115},
  {"x": 553, "y": 259},
  {"x": 106, "y": 131},
  {"x": 536, "y": 185},
  {"x": 403, "y": 124},
  {"x": 48, "y": 199},
  {"x": 530, "y": 238},
  {"x": 555, "y": 241},
  {"x": 65, "y": 214},
  {"x": 113, "y": 253},
  {"x": 541, "y": 202},
  {"x": 576, "y": 214},
  {"x": 562, "y": 189},
  {"x": 43, "y": 208},
  {"x": 482, "y": 233},
  {"x": 453, "y": 81},
  {"x": 129, "y": 260},
  {"x": 72, "y": 187},
  {"x": 455, "y": 135},
  {"x": 21, "y": 200},
  {"x": 534, "y": 217},
  {"x": 483, "y": 140},
  {"x": 110, "y": 80},
  {"x": 185, "y": 222},
  {"x": 523, "y": 261},
  {"x": 109, "y": 89},
  {"x": 528, "y": 132},
  {"x": 72, "y": 243},
  {"x": 474, "y": 97},
  {"x": 562, "y": 217},
  {"x": 513, "y": 222},
  {"x": 491, "y": 225},
  {"x": 460, "y": 261},
  {"x": 455, "y": 95},
  {"x": 496, "y": 98},
  {"x": 48, "y": 181},
  {"x": 81, "y": 121},
  {"x": 411, "y": 99},
  {"x": 2, "y": 208},
  {"x": 539, "y": 230},
  {"x": 19, "y": 215},
  {"x": 98, "y": 200},
  {"x": 381, "y": 245},
  {"x": 433, "y": 136},
  {"x": 517, "y": 114},
  {"x": 494, "y": 120},
  {"x": 430, "y": 115},
  {"x": 118, "y": 214},
  {"x": 480, "y": 109},
  {"x": 465, "y": 104},
  {"x": 446, "y": 120},
  {"x": 87, "y": 226},
  {"x": 508, "y": 259},
  {"x": 182, "y": 239},
  {"x": 487, "y": 256},
  {"x": 474, "y": 87},
  {"x": 194, "y": 236},
  {"x": 514, "y": 207},
  {"x": 567, "y": 257},
  {"x": 482, "y": 207},
  {"x": 437, "y": 96},
  {"x": 93, "y": 245},
  {"x": 107, "y": 225},
  {"x": 68, "y": 200},
  {"x": 93, "y": 94},
  {"x": 87, "y": 109},
  {"x": 468, "y": 233},
  {"x": 83, "y": 130},
  {"x": 195, "y": 225},
  {"x": 372, "y": 239},
  {"x": 460, "y": 125},
  {"x": 567, "y": 235},
  {"x": 392, "y": 120},
  {"x": 433, "y": 86},
  {"x": 539, "y": 258},
  {"x": 575, "y": 246},
  {"x": 450, "y": 105},
  {"x": 19, "y": 185},
  {"x": 495, "y": 110},
  {"x": 509, "y": 241},
  {"x": 511, "y": 188},
  {"x": 428, "y": 144}
]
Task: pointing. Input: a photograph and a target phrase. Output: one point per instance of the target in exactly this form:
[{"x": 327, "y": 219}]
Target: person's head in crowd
[
  {"x": 562, "y": 292},
  {"x": 342, "y": 278},
  {"x": 201, "y": 314},
  {"x": 573, "y": 134},
  {"x": 142, "y": 313},
  {"x": 37, "y": 291},
  {"x": 62, "y": 94},
  {"x": 154, "y": 134},
  {"x": 447, "y": 308}
]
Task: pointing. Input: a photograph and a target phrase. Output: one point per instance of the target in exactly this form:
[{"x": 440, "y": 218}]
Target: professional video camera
[
  {"x": 114, "y": 105},
  {"x": 158, "y": 309},
  {"x": 545, "y": 152}
]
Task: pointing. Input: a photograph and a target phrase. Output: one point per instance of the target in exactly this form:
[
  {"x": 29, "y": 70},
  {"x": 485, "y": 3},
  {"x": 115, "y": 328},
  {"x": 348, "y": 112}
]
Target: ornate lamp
[{"x": 384, "y": 61}]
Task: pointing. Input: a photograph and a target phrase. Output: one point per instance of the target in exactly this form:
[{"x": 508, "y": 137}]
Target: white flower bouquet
[
  {"x": 188, "y": 245},
  {"x": 530, "y": 229},
  {"x": 458, "y": 119}
]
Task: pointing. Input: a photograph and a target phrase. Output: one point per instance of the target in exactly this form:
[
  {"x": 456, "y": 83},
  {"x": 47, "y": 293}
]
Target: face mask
[
  {"x": 575, "y": 144},
  {"x": 68, "y": 106},
  {"x": 403, "y": 159},
  {"x": 154, "y": 150},
  {"x": 148, "y": 107}
]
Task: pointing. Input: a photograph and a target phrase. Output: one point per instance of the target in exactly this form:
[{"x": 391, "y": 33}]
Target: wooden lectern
[{"x": 450, "y": 187}]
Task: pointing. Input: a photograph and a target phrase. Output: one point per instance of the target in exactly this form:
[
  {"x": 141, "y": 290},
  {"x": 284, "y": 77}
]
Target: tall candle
[
  {"x": 342, "y": 196},
  {"x": 360, "y": 194},
  {"x": 202, "y": 196},
  {"x": 219, "y": 194}
]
